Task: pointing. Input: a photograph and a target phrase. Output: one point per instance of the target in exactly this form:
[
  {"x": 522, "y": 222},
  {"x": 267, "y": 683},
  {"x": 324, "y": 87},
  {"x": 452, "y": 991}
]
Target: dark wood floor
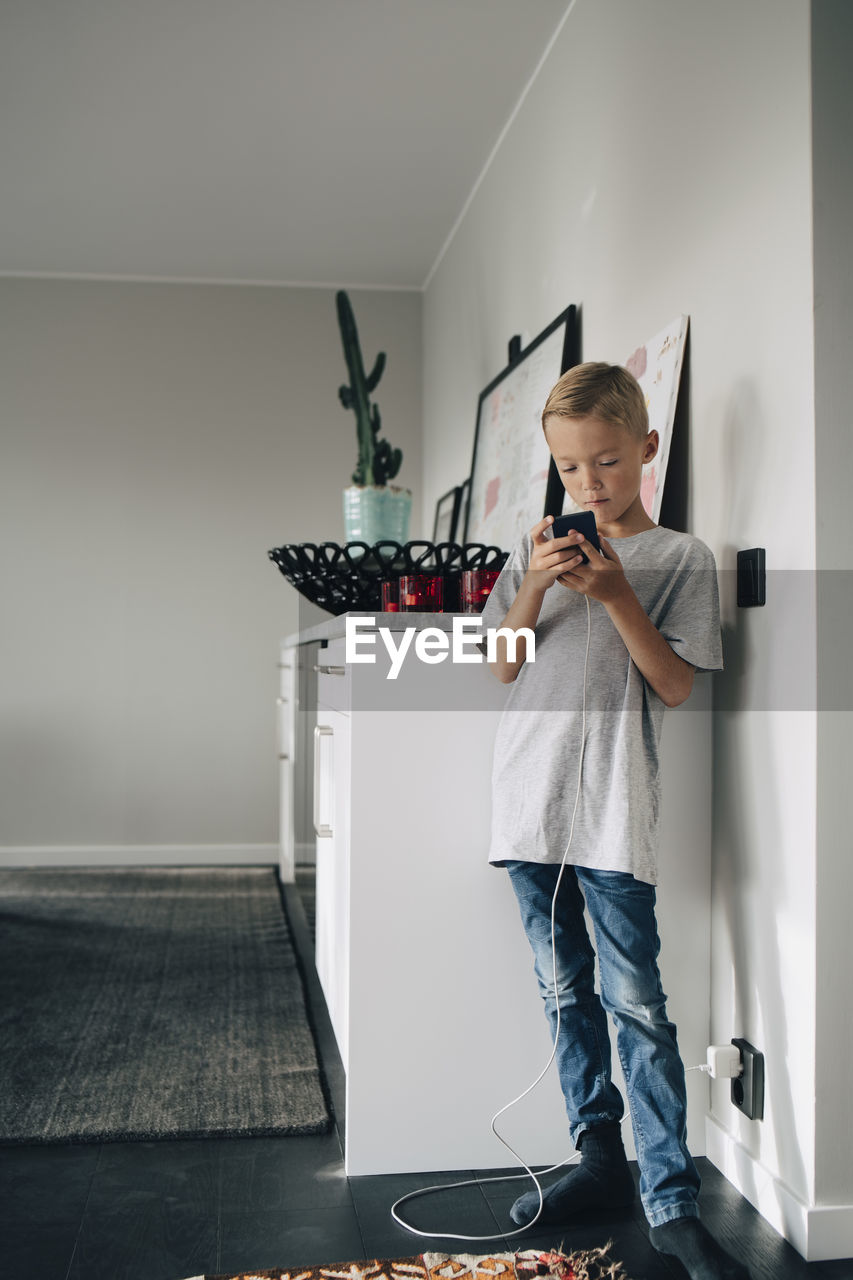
[{"x": 169, "y": 1210}]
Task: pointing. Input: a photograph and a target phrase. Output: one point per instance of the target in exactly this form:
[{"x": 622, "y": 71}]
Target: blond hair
[{"x": 598, "y": 390}]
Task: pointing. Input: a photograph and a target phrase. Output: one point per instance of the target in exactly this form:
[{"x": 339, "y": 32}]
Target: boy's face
[{"x": 601, "y": 467}]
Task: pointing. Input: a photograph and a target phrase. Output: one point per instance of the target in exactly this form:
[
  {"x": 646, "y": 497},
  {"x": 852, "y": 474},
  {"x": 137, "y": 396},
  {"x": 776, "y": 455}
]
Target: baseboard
[
  {"x": 819, "y": 1233},
  {"x": 305, "y": 855},
  {"x": 139, "y": 855},
  {"x": 321, "y": 1024}
]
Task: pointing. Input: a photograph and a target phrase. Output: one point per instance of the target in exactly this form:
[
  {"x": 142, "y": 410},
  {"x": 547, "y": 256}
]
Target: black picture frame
[
  {"x": 510, "y": 457},
  {"x": 446, "y": 522},
  {"x": 464, "y": 495}
]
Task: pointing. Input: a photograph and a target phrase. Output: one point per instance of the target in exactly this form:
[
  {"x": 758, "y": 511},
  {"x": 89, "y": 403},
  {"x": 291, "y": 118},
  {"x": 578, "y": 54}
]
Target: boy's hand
[
  {"x": 603, "y": 578},
  {"x": 552, "y": 557}
]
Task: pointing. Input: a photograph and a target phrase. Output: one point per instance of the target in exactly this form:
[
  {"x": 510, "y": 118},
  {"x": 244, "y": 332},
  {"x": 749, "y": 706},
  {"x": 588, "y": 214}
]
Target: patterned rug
[{"x": 589, "y": 1264}]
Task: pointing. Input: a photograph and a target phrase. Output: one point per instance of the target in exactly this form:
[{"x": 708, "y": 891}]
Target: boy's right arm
[{"x": 548, "y": 559}]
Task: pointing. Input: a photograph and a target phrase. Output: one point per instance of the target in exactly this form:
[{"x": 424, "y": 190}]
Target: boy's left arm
[
  {"x": 604, "y": 580},
  {"x": 668, "y": 674}
]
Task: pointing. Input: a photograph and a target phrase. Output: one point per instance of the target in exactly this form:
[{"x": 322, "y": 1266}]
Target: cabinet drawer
[
  {"x": 286, "y": 705},
  {"x": 334, "y": 677},
  {"x": 332, "y": 786},
  {"x": 287, "y": 673}
]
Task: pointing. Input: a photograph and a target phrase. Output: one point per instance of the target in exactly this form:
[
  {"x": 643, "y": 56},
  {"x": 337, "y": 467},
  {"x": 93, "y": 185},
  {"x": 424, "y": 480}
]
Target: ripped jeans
[{"x": 622, "y": 911}]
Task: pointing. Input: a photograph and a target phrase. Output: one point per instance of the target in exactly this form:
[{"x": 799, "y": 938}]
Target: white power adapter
[{"x": 723, "y": 1061}]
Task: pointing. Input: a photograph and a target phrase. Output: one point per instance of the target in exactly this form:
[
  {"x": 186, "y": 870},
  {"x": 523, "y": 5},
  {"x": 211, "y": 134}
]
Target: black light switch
[{"x": 751, "y": 578}]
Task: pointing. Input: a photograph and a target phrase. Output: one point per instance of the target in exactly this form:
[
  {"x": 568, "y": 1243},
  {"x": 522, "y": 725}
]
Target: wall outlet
[
  {"x": 751, "y": 578},
  {"x": 748, "y": 1087}
]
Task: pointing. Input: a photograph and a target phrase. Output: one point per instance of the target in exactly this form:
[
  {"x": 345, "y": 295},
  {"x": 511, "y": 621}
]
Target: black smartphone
[{"x": 583, "y": 522}]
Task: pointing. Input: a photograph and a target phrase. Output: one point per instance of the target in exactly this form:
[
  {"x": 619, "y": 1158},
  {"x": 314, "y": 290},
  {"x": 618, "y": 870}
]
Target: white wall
[
  {"x": 832, "y": 42},
  {"x": 157, "y": 441},
  {"x": 660, "y": 164}
]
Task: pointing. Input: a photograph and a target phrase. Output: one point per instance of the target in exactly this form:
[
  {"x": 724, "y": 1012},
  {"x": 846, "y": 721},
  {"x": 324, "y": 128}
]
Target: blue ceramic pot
[{"x": 374, "y": 512}]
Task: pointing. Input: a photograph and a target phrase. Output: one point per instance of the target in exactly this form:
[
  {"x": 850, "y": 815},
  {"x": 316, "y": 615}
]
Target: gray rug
[{"x": 151, "y": 1003}]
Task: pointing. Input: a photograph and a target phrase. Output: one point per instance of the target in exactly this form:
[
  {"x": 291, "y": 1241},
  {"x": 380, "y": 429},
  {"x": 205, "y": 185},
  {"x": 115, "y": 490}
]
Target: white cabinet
[{"x": 420, "y": 952}]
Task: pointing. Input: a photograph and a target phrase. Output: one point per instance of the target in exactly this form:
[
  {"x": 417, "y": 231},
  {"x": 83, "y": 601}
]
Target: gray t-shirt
[{"x": 537, "y": 749}]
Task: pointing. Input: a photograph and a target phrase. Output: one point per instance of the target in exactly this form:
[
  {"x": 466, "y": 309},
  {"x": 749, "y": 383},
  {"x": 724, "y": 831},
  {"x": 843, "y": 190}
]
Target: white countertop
[{"x": 335, "y": 627}]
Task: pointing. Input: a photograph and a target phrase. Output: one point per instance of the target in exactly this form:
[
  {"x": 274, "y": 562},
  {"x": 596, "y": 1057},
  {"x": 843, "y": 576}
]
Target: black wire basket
[{"x": 339, "y": 578}]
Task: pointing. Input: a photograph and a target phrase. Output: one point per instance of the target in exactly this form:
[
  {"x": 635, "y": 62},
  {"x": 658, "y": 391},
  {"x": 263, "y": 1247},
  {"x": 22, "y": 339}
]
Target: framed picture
[
  {"x": 513, "y": 481},
  {"x": 657, "y": 367},
  {"x": 447, "y": 515}
]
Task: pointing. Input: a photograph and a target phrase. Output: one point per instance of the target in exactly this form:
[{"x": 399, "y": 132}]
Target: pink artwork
[
  {"x": 648, "y": 487},
  {"x": 657, "y": 368},
  {"x": 493, "y": 488},
  {"x": 636, "y": 363}
]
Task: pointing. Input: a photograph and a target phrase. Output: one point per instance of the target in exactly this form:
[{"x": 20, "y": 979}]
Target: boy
[{"x": 648, "y": 606}]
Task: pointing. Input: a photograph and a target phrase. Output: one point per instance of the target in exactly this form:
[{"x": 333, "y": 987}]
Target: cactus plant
[{"x": 377, "y": 461}]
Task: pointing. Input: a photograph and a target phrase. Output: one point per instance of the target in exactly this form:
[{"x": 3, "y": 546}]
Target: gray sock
[
  {"x": 602, "y": 1180},
  {"x": 697, "y": 1250}
]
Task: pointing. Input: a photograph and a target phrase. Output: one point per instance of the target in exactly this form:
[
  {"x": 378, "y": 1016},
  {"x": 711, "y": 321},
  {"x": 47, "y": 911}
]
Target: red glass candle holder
[
  {"x": 420, "y": 593},
  {"x": 451, "y": 592},
  {"x": 475, "y": 587},
  {"x": 391, "y": 596}
]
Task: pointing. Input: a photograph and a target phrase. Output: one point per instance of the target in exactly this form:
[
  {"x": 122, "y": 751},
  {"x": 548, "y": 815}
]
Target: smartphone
[{"x": 584, "y": 522}]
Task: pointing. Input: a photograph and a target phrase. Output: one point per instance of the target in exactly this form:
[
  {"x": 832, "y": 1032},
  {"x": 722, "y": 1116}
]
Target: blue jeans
[{"x": 622, "y": 911}]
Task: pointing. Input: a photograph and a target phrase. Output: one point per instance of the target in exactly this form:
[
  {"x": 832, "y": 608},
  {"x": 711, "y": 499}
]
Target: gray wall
[{"x": 156, "y": 441}]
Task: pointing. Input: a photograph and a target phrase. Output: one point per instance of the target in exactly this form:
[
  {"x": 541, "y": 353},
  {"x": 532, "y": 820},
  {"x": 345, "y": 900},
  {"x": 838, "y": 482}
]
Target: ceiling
[{"x": 292, "y": 141}]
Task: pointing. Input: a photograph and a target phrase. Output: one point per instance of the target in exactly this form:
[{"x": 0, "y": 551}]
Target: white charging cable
[{"x": 528, "y": 1172}]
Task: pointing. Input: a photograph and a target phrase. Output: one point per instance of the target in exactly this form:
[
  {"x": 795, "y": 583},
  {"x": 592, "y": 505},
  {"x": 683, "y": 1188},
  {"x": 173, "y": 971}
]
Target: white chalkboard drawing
[
  {"x": 511, "y": 470},
  {"x": 657, "y": 368}
]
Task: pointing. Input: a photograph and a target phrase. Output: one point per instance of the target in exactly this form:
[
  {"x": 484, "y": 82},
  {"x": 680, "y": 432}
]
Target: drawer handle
[
  {"x": 283, "y": 757},
  {"x": 329, "y": 671},
  {"x": 320, "y": 731}
]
